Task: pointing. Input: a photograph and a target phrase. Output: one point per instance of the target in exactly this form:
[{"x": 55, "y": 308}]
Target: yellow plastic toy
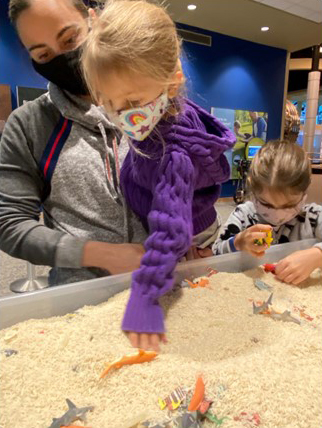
[{"x": 268, "y": 240}]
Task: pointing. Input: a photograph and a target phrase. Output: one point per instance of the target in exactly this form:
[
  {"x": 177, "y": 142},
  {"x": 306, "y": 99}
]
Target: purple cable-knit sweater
[{"x": 172, "y": 190}]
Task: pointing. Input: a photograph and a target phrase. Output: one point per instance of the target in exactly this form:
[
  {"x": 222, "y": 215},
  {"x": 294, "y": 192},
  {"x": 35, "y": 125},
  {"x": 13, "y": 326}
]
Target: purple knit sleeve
[{"x": 170, "y": 223}]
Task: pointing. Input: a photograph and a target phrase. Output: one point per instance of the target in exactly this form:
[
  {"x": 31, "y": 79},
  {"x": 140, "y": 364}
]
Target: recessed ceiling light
[
  {"x": 264, "y": 28},
  {"x": 192, "y": 7}
]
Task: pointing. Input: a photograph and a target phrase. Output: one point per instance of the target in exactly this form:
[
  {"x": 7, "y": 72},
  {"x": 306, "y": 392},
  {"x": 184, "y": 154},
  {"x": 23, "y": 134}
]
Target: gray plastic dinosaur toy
[
  {"x": 73, "y": 414},
  {"x": 285, "y": 316},
  {"x": 263, "y": 307}
]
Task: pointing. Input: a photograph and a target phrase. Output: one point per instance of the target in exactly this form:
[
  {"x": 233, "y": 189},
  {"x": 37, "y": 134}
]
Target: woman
[{"x": 60, "y": 154}]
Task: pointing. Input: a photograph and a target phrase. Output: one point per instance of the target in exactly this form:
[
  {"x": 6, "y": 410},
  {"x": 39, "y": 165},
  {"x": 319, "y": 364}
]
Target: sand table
[{"x": 250, "y": 363}]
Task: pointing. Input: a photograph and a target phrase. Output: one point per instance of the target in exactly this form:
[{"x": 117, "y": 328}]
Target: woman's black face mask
[{"x": 65, "y": 72}]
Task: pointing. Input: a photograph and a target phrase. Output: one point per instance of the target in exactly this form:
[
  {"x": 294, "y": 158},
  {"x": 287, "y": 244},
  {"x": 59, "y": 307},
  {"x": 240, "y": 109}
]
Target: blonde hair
[
  {"x": 131, "y": 36},
  {"x": 281, "y": 166}
]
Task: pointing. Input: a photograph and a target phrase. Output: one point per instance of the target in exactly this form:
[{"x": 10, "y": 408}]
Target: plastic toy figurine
[
  {"x": 215, "y": 419},
  {"x": 74, "y": 426},
  {"x": 203, "y": 282},
  {"x": 211, "y": 272},
  {"x": 269, "y": 267},
  {"x": 251, "y": 419},
  {"x": 268, "y": 240},
  {"x": 141, "y": 357},
  {"x": 204, "y": 406},
  {"x": 188, "y": 420},
  {"x": 174, "y": 400},
  {"x": 285, "y": 316},
  {"x": 198, "y": 395},
  {"x": 9, "y": 352},
  {"x": 263, "y": 307},
  {"x": 302, "y": 313},
  {"x": 73, "y": 414},
  {"x": 261, "y": 285}
]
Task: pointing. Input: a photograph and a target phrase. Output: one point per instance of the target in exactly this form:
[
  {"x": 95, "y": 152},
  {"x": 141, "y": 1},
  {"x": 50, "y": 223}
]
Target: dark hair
[
  {"x": 282, "y": 166},
  {"x": 16, "y": 7}
]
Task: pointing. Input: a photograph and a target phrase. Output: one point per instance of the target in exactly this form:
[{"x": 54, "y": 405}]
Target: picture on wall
[
  {"x": 250, "y": 128},
  {"x": 25, "y": 94},
  {"x": 5, "y": 105}
]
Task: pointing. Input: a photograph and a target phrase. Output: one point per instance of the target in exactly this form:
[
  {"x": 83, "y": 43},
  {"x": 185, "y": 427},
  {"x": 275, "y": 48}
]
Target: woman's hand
[
  {"x": 146, "y": 341},
  {"x": 198, "y": 253},
  {"x": 298, "y": 266},
  {"x": 245, "y": 240},
  {"x": 116, "y": 258}
]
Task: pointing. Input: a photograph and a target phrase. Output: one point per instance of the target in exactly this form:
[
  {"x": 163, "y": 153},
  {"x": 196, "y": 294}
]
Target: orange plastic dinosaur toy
[
  {"x": 198, "y": 395},
  {"x": 141, "y": 357},
  {"x": 203, "y": 282}
]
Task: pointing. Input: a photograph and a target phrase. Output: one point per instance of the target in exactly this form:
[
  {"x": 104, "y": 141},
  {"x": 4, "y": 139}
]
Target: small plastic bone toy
[
  {"x": 141, "y": 357},
  {"x": 73, "y": 414}
]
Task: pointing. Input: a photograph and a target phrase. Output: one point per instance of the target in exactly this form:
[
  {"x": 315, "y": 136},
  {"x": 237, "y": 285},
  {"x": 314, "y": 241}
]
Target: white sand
[{"x": 210, "y": 332}]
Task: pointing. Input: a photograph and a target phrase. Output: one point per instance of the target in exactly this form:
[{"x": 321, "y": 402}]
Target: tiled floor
[{"x": 12, "y": 269}]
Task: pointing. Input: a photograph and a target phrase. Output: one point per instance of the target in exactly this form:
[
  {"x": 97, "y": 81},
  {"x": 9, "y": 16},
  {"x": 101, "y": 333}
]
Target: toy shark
[
  {"x": 263, "y": 307},
  {"x": 9, "y": 352},
  {"x": 73, "y": 414},
  {"x": 285, "y": 316},
  {"x": 188, "y": 420},
  {"x": 261, "y": 285}
]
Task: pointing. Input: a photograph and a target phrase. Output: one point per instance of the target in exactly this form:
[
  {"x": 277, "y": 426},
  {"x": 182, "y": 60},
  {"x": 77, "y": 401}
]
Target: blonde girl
[
  {"x": 172, "y": 174},
  {"x": 278, "y": 180}
]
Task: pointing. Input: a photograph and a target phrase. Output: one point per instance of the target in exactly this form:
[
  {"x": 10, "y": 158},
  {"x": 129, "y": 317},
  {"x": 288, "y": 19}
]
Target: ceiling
[
  {"x": 244, "y": 19},
  {"x": 310, "y": 9}
]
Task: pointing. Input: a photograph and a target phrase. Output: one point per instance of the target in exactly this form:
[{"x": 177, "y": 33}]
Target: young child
[
  {"x": 171, "y": 176},
  {"x": 278, "y": 179}
]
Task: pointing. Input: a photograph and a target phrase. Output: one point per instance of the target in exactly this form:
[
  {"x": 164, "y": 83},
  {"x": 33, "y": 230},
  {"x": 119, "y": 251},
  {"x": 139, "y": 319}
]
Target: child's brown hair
[
  {"x": 131, "y": 37},
  {"x": 281, "y": 166}
]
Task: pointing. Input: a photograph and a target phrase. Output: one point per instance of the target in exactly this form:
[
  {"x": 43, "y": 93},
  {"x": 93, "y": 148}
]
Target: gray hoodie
[{"x": 82, "y": 201}]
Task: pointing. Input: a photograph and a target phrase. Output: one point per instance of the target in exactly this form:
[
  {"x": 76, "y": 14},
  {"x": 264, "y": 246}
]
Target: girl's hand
[
  {"x": 146, "y": 341},
  {"x": 245, "y": 240},
  {"x": 298, "y": 266}
]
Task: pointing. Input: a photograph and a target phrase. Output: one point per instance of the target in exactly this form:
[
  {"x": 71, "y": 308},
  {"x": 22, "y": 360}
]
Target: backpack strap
[{"x": 53, "y": 148}]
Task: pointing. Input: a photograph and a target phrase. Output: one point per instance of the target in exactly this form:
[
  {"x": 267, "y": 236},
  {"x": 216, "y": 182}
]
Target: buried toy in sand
[
  {"x": 139, "y": 358},
  {"x": 73, "y": 414},
  {"x": 213, "y": 332}
]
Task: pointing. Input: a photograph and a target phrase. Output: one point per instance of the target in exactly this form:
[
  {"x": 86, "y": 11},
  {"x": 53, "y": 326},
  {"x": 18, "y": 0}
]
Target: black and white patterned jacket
[{"x": 306, "y": 225}]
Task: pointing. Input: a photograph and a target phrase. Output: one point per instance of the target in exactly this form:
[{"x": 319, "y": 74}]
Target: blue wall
[
  {"x": 233, "y": 73},
  {"x": 15, "y": 65},
  {"x": 236, "y": 74}
]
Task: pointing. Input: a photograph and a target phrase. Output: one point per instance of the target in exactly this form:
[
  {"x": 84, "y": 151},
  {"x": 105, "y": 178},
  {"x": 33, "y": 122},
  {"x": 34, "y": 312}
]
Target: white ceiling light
[
  {"x": 192, "y": 7},
  {"x": 264, "y": 28},
  {"x": 320, "y": 49}
]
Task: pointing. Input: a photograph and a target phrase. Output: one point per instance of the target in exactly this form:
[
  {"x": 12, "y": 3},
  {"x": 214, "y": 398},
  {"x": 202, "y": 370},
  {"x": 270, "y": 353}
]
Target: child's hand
[
  {"x": 245, "y": 240},
  {"x": 298, "y": 266},
  {"x": 146, "y": 341}
]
